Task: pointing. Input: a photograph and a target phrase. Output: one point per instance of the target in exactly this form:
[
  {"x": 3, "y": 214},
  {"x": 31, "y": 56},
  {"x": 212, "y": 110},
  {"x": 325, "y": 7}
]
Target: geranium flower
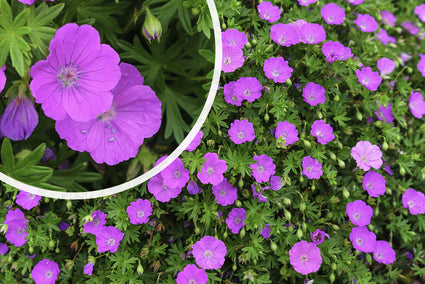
[
  {"x": 420, "y": 11},
  {"x": 233, "y": 37},
  {"x": 265, "y": 231},
  {"x": 195, "y": 142},
  {"x": 284, "y": 34},
  {"x": 88, "y": 268},
  {"x": 19, "y": 119},
  {"x": 368, "y": 78},
  {"x": 367, "y": 155},
  {"x": 287, "y": 131},
  {"x": 209, "y": 253},
  {"x": 414, "y": 201},
  {"x": 2, "y": 77},
  {"x": 276, "y": 183},
  {"x": 312, "y": 168},
  {"x": 268, "y": 12},
  {"x": 388, "y": 18},
  {"x": 421, "y": 64},
  {"x": 3, "y": 248},
  {"x": 314, "y": 94},
  {"x": 322, "y": 131},
  {"x": 27, "y": 200},
  {"x": 45, "y": 272},
  {"x": 212, "y": 170},
  {"x": 241, "y": 131},
  {"x": 334, "y": 50},
  {"x": 366, "y": 23},
  {"x": 385, "y": 114},
  {"x": 235, "y": 220},
  {"x": 77, "y": 76},
  {"x": 359, "y": 212},
  {"x": 332, "y": 14},
  {"x": 385, "y": 66},
  {"x": 305, "y": 257},
  {"x": 312, "y": 33},
  {"x": 306, "y": 2},
  {"x": 248, "y": 88},
  {"x": 410, "y": 27},
  {"x": 108, "y": 239},
  {"x": 374, "y": 184},
  {"x": 17, "y": 224},
  {"x": 277, "y": 69},
  {"x": 383, "y": 253},
  {"x": 175, "y": 175},
  {"x": 99, "y": 220},
  {"x": 417, "y": 104},
  {"x": 139, "y": 211},
  {"x": 192, "y": 187},
  {"x": 232, "y": 58},
  {"x": 318, "y": 236},
  {"x": 362, "y": 239},
  {"x": 192, "y": 274},
  {"x": 229, "y": 94},
  {"x": 258, "y": 195},
  {"x": 263, "y": 169},
  {"x": 225, "y": 193},
  {"x": 355, "y": 2},
  {"x": 383, "y": 36},
  {"x": 162, "y": 192}
]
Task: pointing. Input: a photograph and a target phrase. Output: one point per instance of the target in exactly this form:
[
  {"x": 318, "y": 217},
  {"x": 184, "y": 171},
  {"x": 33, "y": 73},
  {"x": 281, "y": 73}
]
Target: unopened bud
[
  {"x": 301, "y": 179},
  {"x": 248, "y": 45},
  {"x": 336, "y": 98},
  {"x": 302, "y": 206},
  {"x": 242, "y": 233},
  {"x": 225, "y": 234},
  {"x": 287, "y": 201},
  {"x": 385, "y": 146},
  {"x": 196, "y": 11},
  {"x": 345, "y": 193},
  {"x": 299, "y": 233},
  {"x": 304, "y": 226},
  {"x": 223, "y": 26},
  {"x": 341, "y": 163},
  {"x": 332, "y": 277},
  {"x": 88, "y": 218},
  {"x": 51, "y": 244},
  {"x": 287, "y": 215},
  {"x": 335, "y": 227},
  {"x": 197, "y": 230},
  {"x": 273, "y": 246},
  {"x": 339, "y": 145},
  {"x": 140, "y": 269},
  {"x": 68, "y": 205},
  {"x": 240, "y": 183},
  {"x": 152, "y": 28},
  {"x": 333, "y": 266},
  {"x": 238, "y": 203},
  {"x": 210, "y": 143},
  {"x": 319, "y": 114},
  {"x": 332, "y": 156},
  {"x": 402, "y": 171},
  {"x": 359, "y": 115},
  {"x": 307, "y": 144},
  {"x": 266, "y": 117},
  {"x": 288, "y": 82}
]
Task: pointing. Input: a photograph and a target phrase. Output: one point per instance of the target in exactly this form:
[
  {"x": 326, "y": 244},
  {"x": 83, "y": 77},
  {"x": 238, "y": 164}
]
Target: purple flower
[
  {"x": 305, "y": 257},
  {"x": 385, "y": 114},
  {"x": 265, "y": 231},
  {"x": 284, "y": 34},
  {"x": 19, "y": 119},
  {"x": 175, "y": 175},
  {"x": 268, "y": 12},
  {"x": 314, "y": 94},
  {"x": 374, "y": 184},
  {"x": 417, "y": 104},
  {"x": 192, "y": 187},
  {"x": 108, "y": 239},
  {"x": 49, "y": 154},
  {"x": 232, "y": 58},
  {"x": 388, "y": 18},
  {"x": 63, "y": 226},
  {"x": 287, "y": 131},
  {"x": 277, "y": 69},
  {"x": 88, "y": 268},
  {"x": 259, "y": 195},
  {"x": 420, "y": 66},
  {"x": 306, "y": 2},
  {"x": 383, "y": 36},
  {"x": 410, "y": 27},
  {"x": 420, "y": 11},
  {"x": 225, "y": 193},
  {"x": 318, "y": 236},
  {"x": 359, "y": 212},
  {"x": 322, "y": 131},
  {"x": 332, "y": 14},
  {"x": 362, "y": 239},
  {"x": 17, "y": 224},
  {"x": 68, "y": 82},
  {"x": 209, "y": 253},
  {"x": 241, "y": 131},
  {"x": 367, "y": 155},
  {"x": 334, "y": 50},
  {"x": 368, "y": 78},
  {"x": 192, "y": 274},
  {"x": 212, "y": 170},
  {"x": 248, "y": 88},
  {"x": 3, "y": 248},
  {"x": 235, "y": 220},
  {"x": 366, "y": 23},
  {"x": 312, "y": 33},
  {"x": 139, "y": 211},
  {"x": 2, "y": 77},
  {"x": 162, "y": 192},
  {"x": 383, "y": 253},
  {"x": 263, "y": 169},
  {"x": 45, "y": 272},
  {"x": 99, "y": 221},
  {"x": 230, "y": 95},
  {"x": 414, "y": 201},
  {"x": 406, "y": 57},
  {"x": 234, "y": 37},
  {"x": 195, "y": 142},
  {"x": 116, "y": 135},
  {"x": 385, "y": 66},
  {"x": 27, "y": 200},
  {"x": 312, "y": 168},
  {"x": 276, "y": 183},
  {"x": 355, "y": 2}
]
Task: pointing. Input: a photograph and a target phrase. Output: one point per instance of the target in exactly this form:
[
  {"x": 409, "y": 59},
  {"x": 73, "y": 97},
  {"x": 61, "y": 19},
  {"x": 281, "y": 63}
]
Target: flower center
[
  {"x": 227, "y": 60},
  {"x": 411, "y": 203},
  {"x": 275, "y": 73},
  {"x": 356, "y": 216},
  {"x": 208, "y": 254},
  {"x": 311, "y": 97},
  {"x": 365, "y": 81},
  {"x": 192, "y": 281},
  {"x": 96, "y": 222},
  {"x": 359, "y": 241},
  {"x": 68, "y": 76},
  {"x": 232, "y": 42},
  {"x": 363, "y": 26},
  {"x": 284, "y": 134},
  {"x": 247, "y": 93},
  {"x": 111, "y": 242},
  {"x": 20, "y": 231},
  {"x": 319, "y": 134},
  {"x": 241, "y": 135},
  {"x": 266, "y": 15},
  {"x": 237, "y": 220},
  {"x": 318, "y": 238},
  {"x": 260, "y": 169},
  {"x": 177, "y": 174},
  {"x": 140, "y": 214},
  {"x": 303, "y": 258},
  {"x": 378, "y": 255},
  {"x": 308, "y": 169},
  {"x": 282, "y": 40},
  {"x": 210, "y": 171},
  {"x": 234, "y": 98},
  {"x": 222, "y": 192},
  {"x": 331, "y": 19},
  {"x": 107, "y": 116},
  {"x": 364, "y": 159},
  {"x": 310, "y": 38},
  {"x": 369, "y": 186},
  {"x": 48, "y": 274}
]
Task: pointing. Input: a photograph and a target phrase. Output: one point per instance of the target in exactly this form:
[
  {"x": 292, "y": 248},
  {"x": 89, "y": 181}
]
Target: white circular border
[{"x": 154, "y": 171}]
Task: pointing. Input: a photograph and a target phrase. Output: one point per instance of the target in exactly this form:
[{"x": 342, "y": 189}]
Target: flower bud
[
  {"x": 51, "y": 244},
  {"x": 333, "y": 266},
  {"x": 302, "y": 206},
  {"x": 402, "y": 171},
  {"x": 359, "y": 115},
  {"x": 332, "y": 156},
  {"x": 287, "y": 214},
  {"x": 299, "y": 233},
  {"x": 254, "y": 41},
  {"x": 335, "y": 227},
  {"x": 376, "y": 211},
  {"x": 31, "y": 250},
  {"x": 225, "y": 235},
  {"x": 319, "y": 114},
  {"x": 273, "y": 246},
  {"x": 329, "y": 215},
  {"x": 140, "y": 269},
  {"x": 345, "y": 193},
  {"x": 288, "y": 82},
  {"x": 339, "y": 145},
  {"x": 88, "y": 218},
  {"x": 332, "y": 277},
  {"x": 238, "y": 203},
  {"x": 304, "y": 226},
  {"x": 223, "y": 26},
  {"x": 152, "y": 28},
  {"x": 266, "y": 117},
  {"x": 248, "y": 45},
  {"x": 269, "y": 48},
  {"x": 287, "y": 201},
  {"x": 68, "y": 205},
  {"x": 385, "y": 146},
  {"x": 240, "y": 183},
  {"x": 210, "y": 143},
  {"x": 242, "y": 233},
  {"x": 341, "y": 163},
  {"x": 196, "y": 11},
  {"x": 307, "y": 144},
  {"x": 301, "y": 179},
  {"x": 234, "y": 267},
  {"x": 197, "y": 230},
  {"x": 409, "y": 70},
  {"x": 336, "y": 98},
  {"x": 369, "y": 258}
]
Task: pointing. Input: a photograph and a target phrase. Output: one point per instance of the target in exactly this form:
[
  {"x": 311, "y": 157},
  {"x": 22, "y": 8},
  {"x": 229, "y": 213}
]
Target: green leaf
[
  {"x": 207, "y": 54},
  {"x": 33, "y": 158},
  {"x": 7, "y": 155}
]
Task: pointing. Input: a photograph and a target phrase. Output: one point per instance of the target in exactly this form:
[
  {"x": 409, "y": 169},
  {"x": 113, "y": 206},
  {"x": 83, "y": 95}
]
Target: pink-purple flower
[
  {"x": 195, "y": 142},
  {"x": 355, "y": 2},
  {"x": 383, "y": 36},
  {"x": 385, "y": 66},
  {"x": 88, "y": 268},
  {"x": 322, "y": 131},
  {"x": 312, "y": 168},
  {"x": 139, "y": 211},
  {"x": 248, "y": 88},
  {"x": 209, "y": 253},
  {"x": 99, "y": 221},
  {"x": 305, "y": 257},
  {"x": 225, "y": 193},
  {"x": 193, "y": 188},
  {"x": 420, "y": 11},
  {"x": 16, "y": 231},
  {"x": 229, "y": 94},
  {"x": 359, "y": 213},
  {"x": 263, "y": 169},
  {"x": 269, "y": 12},
  {"x": 362, "y": 239},
  {"x": 175, "y": 175},
  {"x": 368, "y": 78},
  {"x": 276, "y": 183},
  {"x": 318, "y": 236},
  {"x": 3, "y": 248},
  {"x": 108, "y": 239},
  {"x": 410, "y": 27},
  {"x": 374, "y": 184},
  {"x": 332, "y": 14},
  {"x": 414, "y": 201},
  {"x": 233, "y": 37},
  {"x": 314, "y": 94},
  {"x": 212, "y": 170},
  {"x": 421, "y": 64},
  {"x": 45, "y": 272},
  {"x": 2, "y": 77},
  {"x": 232, "y": 58},
  {"x": 385, "y": 114},
  {"x": 366, "y": 23},
  {"x": 241, "y": 131},
  {"x": 334, "y": 50},
  {"x": 277, "y": 69},
  {"x": 287, "y": 131},
  {"x": 191, "y": 274},
  {"x": 388, "y": 18},
  {"x": 383, "y": 253},
  {"x": 265, "y": 231},
  {"x": 27, "y": 200},
  {"x": 417, "y": 104},
  {"x": 284, "y": 34},
  {"x": 312, "y": 33},
  {"x": 162, "y": 192},
  {"x": 367, "y": 155},
  {"x": 235, "y": 220},
  {"x": 306, "y": 2}
]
